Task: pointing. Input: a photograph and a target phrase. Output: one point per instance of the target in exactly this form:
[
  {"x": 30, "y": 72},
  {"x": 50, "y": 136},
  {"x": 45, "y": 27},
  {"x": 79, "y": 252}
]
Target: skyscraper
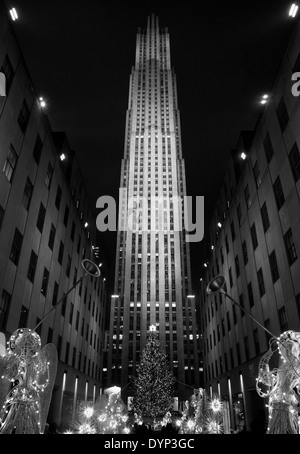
[{"x": 152, "y": 274}]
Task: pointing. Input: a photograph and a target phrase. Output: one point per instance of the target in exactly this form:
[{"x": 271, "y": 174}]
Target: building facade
[
  {"x": 152, "y": 273},
  {"x": 47, "y": 228},
  {"x": 255, "y": 244}
]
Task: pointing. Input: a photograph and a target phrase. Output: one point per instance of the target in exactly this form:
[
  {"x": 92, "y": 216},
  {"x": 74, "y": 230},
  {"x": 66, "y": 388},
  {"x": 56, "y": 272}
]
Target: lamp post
[
  {"x": 217, "y": 284},
  {"x": 91, "y": 269}
]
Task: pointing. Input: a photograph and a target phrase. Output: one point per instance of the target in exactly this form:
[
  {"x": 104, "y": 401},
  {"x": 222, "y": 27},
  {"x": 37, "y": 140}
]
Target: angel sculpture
[
  {"x": 283, "y": 384},
  {"x": 27, "y": 375}
]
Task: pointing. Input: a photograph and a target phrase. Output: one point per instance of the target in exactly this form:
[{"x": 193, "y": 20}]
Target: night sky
[{"x": 225, "y": 54}]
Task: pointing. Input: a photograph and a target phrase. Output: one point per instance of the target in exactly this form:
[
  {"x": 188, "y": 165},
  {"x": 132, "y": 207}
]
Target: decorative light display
[
  {"x": 207, "y": 415},
  {"x": 282, "y": 384},
  {"x": 31, "y": 373},
  {"x": 113, "y": 419}
]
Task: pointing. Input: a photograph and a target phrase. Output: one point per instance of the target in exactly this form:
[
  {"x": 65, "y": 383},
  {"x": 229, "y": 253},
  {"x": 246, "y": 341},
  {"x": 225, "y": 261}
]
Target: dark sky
[{"x": 225, "y": 55}]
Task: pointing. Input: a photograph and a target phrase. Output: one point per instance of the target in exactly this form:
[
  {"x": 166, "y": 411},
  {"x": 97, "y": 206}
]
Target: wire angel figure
[
  {"x": 27, "y": 375},
  {"x": 283, "y": 384}
]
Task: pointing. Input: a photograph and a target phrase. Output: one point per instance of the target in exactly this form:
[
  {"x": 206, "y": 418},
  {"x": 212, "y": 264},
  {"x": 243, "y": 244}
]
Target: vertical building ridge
[{"x": 152, "y": 277}]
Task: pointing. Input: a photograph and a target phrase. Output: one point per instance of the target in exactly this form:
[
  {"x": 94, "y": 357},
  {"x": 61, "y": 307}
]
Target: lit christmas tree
[{"x": 153, "y": 388}]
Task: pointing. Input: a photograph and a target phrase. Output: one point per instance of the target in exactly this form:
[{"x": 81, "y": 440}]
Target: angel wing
[
  {"x": 47, "y": 359},
  {"x": 8, "y": 370}
]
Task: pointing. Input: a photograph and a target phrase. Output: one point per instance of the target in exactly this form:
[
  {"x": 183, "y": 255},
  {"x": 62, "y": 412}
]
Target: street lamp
[
  {"x": 91, "y": 269},
  {"x": 217, "y": 284}
]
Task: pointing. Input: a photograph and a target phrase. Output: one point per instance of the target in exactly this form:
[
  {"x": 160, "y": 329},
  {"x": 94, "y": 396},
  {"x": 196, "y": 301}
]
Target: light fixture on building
[
  {"x": 191, "y": 296},
  {"x": 14, "y": 14},
  {"x": 42, "y": 102},
  {"x": 264, "y": 99},
  {"x": 115, "y": 296},
  {"x": 212, "y": 247},
  {"x": 219, "y": 224},
  {"x": 62, "y": 157},
  {"x": 243, "y": 156},
  {"x": 86, "y": 225},
  {"x": 205, "y": 264},
  {"x": 293, "y": 10}
]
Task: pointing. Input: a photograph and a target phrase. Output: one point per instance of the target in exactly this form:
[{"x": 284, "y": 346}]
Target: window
[
  {"x": 55, "y": 294},
  {"x": 59, "y": 344},
  {"x": 261, "y": 283},
  {"x": 58, "y": 197},
  {"x": 268, "y": 148},
  {"x": 49, "y": 174},
  {"x": 37, "y": 151},
  {"x": 23, "y": 317},
  {"x": 27, "y": 195},
  {"x": 8, "y": 71},
  {"x": 256, "y": 173},
  {"x": 242, "y": 304},
  {"x": 247, "y": 353},
  {"x": 273, "y": 266},
  {"x": 64, "y": 306},
  {"x": 228, "y": 321},
  {"x": 68, "y": 269},
  {"x": 232, "y": 231},
  {"x": 254, "y": 237},
  {"x": 237, "y": 265},
  {"x": 265, "y": 217},
  {"x": 290, "y": 247},
  {"x": 32, "y": 266},
  {"x": 256, "y": 341},
  {"x": 41, "y": 218},
  {"x": 278, "y": 192},
  {"x": 66, "y": 216},
  {"x": 2, "y": 212},
  {"x": 50, "y": 336},
  {"x": 60, "y": 252},
  {"x": 239, "y": 213},
  {"x": 39, "y": 328},
  {"x": 24, "y": 117},
  {"x": 10, "y": 163},
  {"x": 282, "y": 114},
  {"x": 230, "y": 277},
  {"x": 45, "y": 282},
  {"x": 245, "y": 253},
  {"x": 52, "y": 237},
  {"x": 67, "y": 352},
  {"x": 71, "y": 313},
  {"x": 294, "y": 158},
  {"x": 250, "y": 294},
  {"x": 73, "y": 231},
  {"x": 282, "y": 319},
  {"x": 247, "y": 196},
  {"x": 77, "y": 321},
  {"x": 16, "y": 247},
  {"x": 4, "y": 307}
]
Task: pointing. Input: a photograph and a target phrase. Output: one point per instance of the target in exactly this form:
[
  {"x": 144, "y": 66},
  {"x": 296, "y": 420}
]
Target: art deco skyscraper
[{"x": 152, "y": 278}]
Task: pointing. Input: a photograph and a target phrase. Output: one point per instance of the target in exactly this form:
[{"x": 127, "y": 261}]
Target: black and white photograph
[{"x": 149, "y": 221}]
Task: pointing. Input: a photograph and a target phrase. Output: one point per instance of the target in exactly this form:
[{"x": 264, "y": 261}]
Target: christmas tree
[{"x": 153, "y": 388}]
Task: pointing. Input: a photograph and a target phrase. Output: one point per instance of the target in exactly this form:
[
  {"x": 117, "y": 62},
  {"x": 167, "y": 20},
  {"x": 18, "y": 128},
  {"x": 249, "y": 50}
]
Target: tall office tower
[{"x": 152, "y": 276}]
